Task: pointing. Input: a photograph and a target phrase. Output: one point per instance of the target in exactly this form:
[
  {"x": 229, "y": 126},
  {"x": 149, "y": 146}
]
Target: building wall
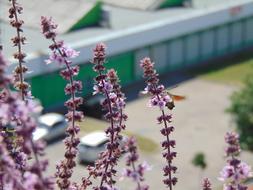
[
  {"x": 207, "y": 3},
  {"x": 49, "y": 88},
  {"x": 199, "y": 46},
  {"x": 169, "y": 55}
]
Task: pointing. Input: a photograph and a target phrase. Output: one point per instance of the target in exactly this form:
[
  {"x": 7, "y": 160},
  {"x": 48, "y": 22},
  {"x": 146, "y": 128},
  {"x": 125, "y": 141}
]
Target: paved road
[{"x": 200, "y": 123}]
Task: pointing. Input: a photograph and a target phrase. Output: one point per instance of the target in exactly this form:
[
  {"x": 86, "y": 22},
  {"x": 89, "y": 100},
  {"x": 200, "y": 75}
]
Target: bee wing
[
  {"x": 177, "y": 97},
  {"x": 143, "y": 93}
]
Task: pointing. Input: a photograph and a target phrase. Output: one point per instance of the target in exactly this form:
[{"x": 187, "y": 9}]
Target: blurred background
[{"x": 203, "y": 47}]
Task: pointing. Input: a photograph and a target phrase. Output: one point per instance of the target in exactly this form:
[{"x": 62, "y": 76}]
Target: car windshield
[
  {"x": 57, "y": 124},
  {"x": 101, "y": 145},
  {"x": 42, "y": 125}
]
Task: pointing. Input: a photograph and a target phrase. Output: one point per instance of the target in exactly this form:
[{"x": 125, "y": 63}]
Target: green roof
[
  {"x": 67, "y": 14},
  {"x": 168, "y": 3},
  {"x": 91, "y": 18}
]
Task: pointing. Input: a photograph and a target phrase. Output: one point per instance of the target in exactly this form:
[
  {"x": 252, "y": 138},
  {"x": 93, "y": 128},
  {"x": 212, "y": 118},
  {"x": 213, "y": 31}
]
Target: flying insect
[{"x": 170, "y": 105}]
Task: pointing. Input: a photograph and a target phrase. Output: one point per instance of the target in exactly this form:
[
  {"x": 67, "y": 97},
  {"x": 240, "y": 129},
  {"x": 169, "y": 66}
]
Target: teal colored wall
[
  {"x": 49, "y": 88},
  {"x": 124, "y": 65},
  {"x": 168, "y": 3}
]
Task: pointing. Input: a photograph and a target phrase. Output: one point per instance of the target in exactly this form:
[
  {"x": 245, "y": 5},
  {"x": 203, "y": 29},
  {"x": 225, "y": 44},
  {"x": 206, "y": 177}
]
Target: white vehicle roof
[
  {"x": 50, "y": 119},
  {"x": 39, "y": 133},
  {"x": 94, "y": 138}
]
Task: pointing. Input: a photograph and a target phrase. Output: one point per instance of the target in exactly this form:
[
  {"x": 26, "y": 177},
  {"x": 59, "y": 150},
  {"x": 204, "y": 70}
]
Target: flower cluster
[
  {"x": 136, "y": 173},
  {"x": 235, "y": 172},
  {"x": 113, "y": 104},
  {"x": 9, "y": 176},
  {"x": 14, "y": 178},
  {"x": 15, "y": 116},
  {"x": 160, "y": 98},
  {"x": 6, "y": 115},
  {"x": 5, "y": 80},
  {"x": 60, "y": 51},
  {"x": 7, "y": 98},
  {"x": 18, "y": 41},
  {"x": 61, "y": 54},
  {"x": 233, "y": 149},
  {"x": 17, "y": 124},
  {"x": 114, "y": 80},
  {"x": 206, "y": 185}
]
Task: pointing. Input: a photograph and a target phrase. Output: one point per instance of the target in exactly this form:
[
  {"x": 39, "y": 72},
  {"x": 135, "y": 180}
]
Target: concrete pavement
[{"x": 200, "y": 123}]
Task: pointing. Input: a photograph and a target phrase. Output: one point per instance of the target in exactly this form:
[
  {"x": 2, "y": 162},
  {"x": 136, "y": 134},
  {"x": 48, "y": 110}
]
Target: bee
[{"x": 170, "y": 105}]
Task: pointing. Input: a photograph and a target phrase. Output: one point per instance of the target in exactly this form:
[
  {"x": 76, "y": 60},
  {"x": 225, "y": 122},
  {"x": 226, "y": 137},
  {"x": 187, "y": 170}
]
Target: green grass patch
[
  {"x": 234, "y": 74},
  {"x": 232, "y": 70},
  {"x": 145, "y": 144},
  {"x": 90, "y": 124}
]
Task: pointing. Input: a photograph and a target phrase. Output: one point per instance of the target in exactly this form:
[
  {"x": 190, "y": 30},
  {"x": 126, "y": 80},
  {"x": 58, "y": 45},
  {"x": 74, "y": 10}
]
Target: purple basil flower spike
[
  {"x": 107, "y": 84},
  {"x": 10, "y": 176},
  {"x": 20, "y": 108},
  {"x": 16, "y": 112},
  {"x": 206, "y": 185},
  {"x": 62, "y": 54},
  {"x": 235, "y": 172},
  {"x": 18, "y": 41},
  {"x": 160, "y": 98},
  {"x": 135, "y": 171}
]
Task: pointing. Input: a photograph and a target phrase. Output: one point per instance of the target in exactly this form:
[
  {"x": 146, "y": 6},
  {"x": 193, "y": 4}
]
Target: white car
[
  {"x": 50, "y": 126},
  {"x": 92, "y": 144}
]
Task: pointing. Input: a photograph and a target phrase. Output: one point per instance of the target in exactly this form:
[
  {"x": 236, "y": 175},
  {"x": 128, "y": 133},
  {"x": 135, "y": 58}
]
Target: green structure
[
  {"x": 91, "y": 18},
  {"x": 168, "y": 3},
  {"x": 53, "y": 84}
]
